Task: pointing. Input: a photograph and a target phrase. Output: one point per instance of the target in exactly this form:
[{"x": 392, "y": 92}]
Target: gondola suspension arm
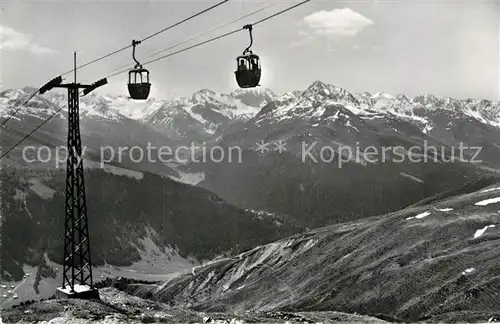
[
  {"x": 250, "y": 28},
  {"x": 134, "y": 44}
]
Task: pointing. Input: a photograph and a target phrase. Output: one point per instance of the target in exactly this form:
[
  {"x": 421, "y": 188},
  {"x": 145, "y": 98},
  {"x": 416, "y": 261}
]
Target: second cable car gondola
[
  {"x": 138, "y": 79},
  {"x": 248, "y": 70}
]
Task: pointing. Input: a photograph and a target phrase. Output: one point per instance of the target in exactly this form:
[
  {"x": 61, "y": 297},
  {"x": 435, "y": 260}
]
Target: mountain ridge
[
  {"x": 207, "y": 113},
  {"x": 265, "y": 95}
]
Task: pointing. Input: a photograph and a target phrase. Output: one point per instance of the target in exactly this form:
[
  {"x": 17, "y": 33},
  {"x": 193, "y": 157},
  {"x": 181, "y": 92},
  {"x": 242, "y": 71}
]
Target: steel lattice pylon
[
  {"x": 77, "y": 263},
  {"x": 77, "y": 268}
]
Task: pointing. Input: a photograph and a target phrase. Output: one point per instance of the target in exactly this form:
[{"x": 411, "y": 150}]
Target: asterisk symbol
[
  {"x": 262, "y": 147},
  {"x": 280, "y": 146}
]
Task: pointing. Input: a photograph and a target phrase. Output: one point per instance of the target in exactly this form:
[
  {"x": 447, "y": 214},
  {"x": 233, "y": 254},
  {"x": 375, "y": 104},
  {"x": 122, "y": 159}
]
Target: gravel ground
[{"x": 118, "y": 307}]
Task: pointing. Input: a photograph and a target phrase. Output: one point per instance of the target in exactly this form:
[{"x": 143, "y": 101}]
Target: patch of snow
[
  {"x": 189, "y": 178},
  {"x": 348, "y": 124},
  {"x": 488, "y": 201},
  {"x": 444, "y": 209},
  {"x": 420, "y": 216},
  {"x": 409, "y": 176},
  {"x": 319, "y": 112},
  {"x": 41, "y": 190},
  {"x": 335, "y": 116},
  {"x": 382, "y": 95},
  {"x": 359, "y": 111},
  {"x": 491, "y": 189},
  {"x": 372, "y": 117},
  {"x": 481, "y": 231},
  {"x": 123, "y": 172},
  {"x": 114, "y": 169},
  {"x": 427, "y": 129},
  {"x": 136, "y": 109},
  {"x": 470, "y": 270},
  {"x": 78, "y": 288}
]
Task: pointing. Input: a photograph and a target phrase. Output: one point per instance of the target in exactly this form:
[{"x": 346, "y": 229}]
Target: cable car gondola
[
  {"x": 138, "y": 79},
  {"x": 248, "y": 69}
]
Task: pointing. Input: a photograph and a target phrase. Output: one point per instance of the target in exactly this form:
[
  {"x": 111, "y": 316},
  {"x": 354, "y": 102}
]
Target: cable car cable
[
  {"x": 19, "y": 108},
  {"x": 281, "y": 12},
  {"x": 33, "y": 131},
  {"x": 214, "y": 38},
  {"x": 49, "y": 85},
  {"x": 183, "y": 21},
  {"x": 180, "y": 51},
  {"x": 37, "y": 128},
  {"x": 214, "y": 29},
  {"x": 148, "y": 37},
  {"x": 199, "y": 35}
]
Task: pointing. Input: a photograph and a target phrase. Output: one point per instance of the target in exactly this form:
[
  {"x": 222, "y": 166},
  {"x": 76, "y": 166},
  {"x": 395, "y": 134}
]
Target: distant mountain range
[
  {"x": 205, "y": 114},
  {"x": 117, "y": 121},
  {"x": 328, "y": 116},
  {"x": 197, "y": 117}
]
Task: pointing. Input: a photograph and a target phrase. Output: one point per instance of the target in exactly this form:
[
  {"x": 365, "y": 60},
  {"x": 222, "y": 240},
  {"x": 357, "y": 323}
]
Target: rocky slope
[
  {"x": 430, "y": 262},
  {"x": 119, "y": 307}
]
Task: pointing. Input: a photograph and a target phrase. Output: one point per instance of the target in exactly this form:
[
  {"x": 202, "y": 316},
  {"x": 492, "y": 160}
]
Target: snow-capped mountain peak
[
  {"x": 319, "y": 91},
  {"x": 382, "y": 96},
  {"x": 317, "y": 86},
  {"x": 425, "y": 100},
  {"x": 204, "y": 95},
  {"x": 403, "y": 98},
  {"x": 206, "y": 92},
  {"x": 320, "y": 98}
]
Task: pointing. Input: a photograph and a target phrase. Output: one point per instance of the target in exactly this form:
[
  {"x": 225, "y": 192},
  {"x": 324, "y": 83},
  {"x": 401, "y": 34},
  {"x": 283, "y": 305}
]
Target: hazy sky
[{"x": 448, "y": 48}]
